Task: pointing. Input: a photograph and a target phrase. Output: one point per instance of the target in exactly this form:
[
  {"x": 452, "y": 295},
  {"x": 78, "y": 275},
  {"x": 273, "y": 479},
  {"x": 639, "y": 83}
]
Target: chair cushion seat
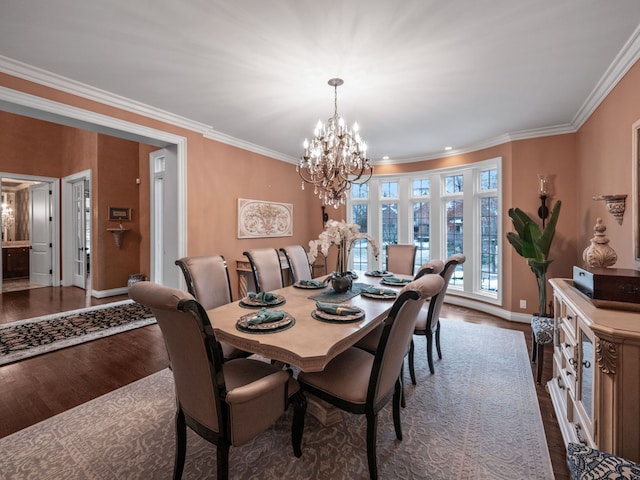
[
  {"x": 242, "y": 371},
  {"x": 371, "y": 340},
  {"x": 332, "y": 380},
  {"x": 542, "y": 329},
  {"x": 586, "y": 463}
]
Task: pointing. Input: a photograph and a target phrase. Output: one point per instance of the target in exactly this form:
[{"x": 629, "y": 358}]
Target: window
[
  {"x": 442, "y": 212},
  {"x": 420, "y": 205}
]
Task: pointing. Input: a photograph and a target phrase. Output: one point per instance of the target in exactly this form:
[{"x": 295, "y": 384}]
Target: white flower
[{"x": 342, "y": 234}]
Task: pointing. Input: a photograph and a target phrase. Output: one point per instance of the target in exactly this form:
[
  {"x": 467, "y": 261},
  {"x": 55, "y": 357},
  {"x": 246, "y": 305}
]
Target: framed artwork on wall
[
  {"x": 119, "y": 214},
  {"x": 259, "y": 219}
]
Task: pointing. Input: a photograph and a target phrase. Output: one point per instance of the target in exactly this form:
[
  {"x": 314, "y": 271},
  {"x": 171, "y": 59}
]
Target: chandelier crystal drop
[{"x": 335, "y": 158}]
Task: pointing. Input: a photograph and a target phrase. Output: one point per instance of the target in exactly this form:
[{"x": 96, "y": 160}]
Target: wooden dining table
[{"x": 310, "y": 343}]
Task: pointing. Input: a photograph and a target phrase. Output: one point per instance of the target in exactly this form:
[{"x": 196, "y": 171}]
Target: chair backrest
[
  {"x": 401, "y": 258},
  {"x": 267, "y": 271},
  {"x": 196, "y": 360},
  {"x": 207, "y": 279},
  {"x": 432, "y": 266},
  {"x": 298, "y": 262},
  {"x": 397, "y": 333},
  {"x": 435, "y": 304}
]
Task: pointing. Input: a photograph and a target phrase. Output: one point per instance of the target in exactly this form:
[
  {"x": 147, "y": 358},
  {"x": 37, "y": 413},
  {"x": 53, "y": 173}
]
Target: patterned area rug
[
  {"x": 35, "y": 336},
  {"x": 476, "y": 418}
]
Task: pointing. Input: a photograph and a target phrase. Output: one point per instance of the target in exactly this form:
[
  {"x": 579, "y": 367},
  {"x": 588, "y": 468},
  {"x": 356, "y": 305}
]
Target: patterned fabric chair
[
  {"x": 586, "y": 463},
  {"x": 298, "y": 262},
  {"x": 361, "y": 383},
  {"x": 542, "y": 334},
  {"x": 226, "y": 403},
  {"x": 266, "y": 268},
  {"x": 207, "y": 279}
]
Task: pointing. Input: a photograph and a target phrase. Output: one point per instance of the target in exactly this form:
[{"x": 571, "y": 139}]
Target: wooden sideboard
[{"x": 595, "y": 389}]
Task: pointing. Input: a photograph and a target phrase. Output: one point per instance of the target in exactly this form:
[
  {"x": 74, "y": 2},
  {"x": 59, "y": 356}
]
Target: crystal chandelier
[{"x": 335, "y": 158}]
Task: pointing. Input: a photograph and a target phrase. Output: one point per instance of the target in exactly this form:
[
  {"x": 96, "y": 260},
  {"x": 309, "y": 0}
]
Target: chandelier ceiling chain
[{"x": 335, "y": 158}]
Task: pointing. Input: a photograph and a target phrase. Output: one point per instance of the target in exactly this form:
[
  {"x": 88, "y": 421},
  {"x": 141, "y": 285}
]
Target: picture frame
[{"x": 119, "y": 214}]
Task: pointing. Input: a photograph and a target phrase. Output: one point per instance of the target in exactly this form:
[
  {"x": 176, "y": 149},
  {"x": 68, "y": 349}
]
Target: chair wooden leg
[
  {"x": 540, "y": 350},
  {"x": 297, "y": 427},
  {"x": 438, "y": 341},
  {"x": 181, "y": 444},
  {"x": 534, "y": 348},
  {"x": 372, "y": 423},
  {"x": 222, "y": 453},
  {"x": 403, "y": 403},
  {"x": 396, "y": 410},
  {"x": 412, "y": 370},
  {"x": 430, "y": 351}
]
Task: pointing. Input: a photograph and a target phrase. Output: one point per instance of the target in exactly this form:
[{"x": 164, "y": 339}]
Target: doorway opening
[{"x": 28, "y": 213}]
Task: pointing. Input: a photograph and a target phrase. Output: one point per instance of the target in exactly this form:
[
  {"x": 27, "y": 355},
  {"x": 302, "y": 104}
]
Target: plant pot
[{"x": 341, "y": 282}]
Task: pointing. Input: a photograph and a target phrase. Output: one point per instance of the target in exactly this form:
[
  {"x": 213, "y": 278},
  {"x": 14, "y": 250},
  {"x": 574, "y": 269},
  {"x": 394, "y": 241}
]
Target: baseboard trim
[
  {"x": 109, "y": 293},
  {"x": 490, "y": 309}
]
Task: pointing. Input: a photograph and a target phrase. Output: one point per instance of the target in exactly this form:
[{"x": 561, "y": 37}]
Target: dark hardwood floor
[{"x": 37, "y": 388}]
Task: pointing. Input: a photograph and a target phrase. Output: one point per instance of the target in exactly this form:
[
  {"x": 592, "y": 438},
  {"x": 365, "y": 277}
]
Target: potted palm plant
[{"x": 533, "y": 243}]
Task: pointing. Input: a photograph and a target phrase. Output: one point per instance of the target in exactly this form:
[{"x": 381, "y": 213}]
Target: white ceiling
[{"x": 419, "y": 74}]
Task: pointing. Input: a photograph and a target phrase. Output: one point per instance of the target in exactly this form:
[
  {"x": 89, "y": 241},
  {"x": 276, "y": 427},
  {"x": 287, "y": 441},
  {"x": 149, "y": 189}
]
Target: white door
[
  {"x": 79, "y": 234},
  {"x": 164, "y": 217},
  {"x": 40, "y": 267}
]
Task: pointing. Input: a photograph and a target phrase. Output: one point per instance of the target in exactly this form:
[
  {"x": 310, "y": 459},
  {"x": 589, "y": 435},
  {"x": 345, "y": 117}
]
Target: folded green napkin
[
  {"x": 378, "y": 272},
  {"x": 311, "y": 283},
  {"x": 396, "y": 280},
  {"x": 263, "y": 297},
  {"x": 334, "y": 309},
  {"x": 379, "y": 291},
  {"x": 266, "y": 316}
]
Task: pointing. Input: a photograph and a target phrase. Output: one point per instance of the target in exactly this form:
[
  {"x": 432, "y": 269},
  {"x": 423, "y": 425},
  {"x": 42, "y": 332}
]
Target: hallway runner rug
[
  {"x": 476, "y": 418},
  {"x": 34, "y": 336}
]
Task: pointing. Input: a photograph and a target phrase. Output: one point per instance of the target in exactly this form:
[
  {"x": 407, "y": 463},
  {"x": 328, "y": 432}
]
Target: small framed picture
[{"x": 117, "y": 214}]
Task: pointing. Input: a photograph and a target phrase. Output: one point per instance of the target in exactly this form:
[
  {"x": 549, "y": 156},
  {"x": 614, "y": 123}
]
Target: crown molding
[
  {"x": 625, "y": 59},
  {"x": 252, "y": 147},
  {"x": 48, "y": 79}
]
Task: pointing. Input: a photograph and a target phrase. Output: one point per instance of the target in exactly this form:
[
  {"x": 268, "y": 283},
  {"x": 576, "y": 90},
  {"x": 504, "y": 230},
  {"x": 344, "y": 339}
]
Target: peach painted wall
[
  {"x": 226, "y": 173},
  {"x": 604, "y": 145},
  {"x": 118, "y": 168}
]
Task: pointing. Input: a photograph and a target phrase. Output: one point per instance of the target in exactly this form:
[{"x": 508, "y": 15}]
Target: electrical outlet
[{"x": 523, "y": 304}]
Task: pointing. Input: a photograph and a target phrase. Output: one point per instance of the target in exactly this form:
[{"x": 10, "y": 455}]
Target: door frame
[
  {"x": 54, "y": 184},
  {"x": 68, "y": 232},
  {"x": 44, "y": 109}
]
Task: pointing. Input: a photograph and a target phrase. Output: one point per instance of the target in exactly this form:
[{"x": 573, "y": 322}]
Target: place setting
[
  {"x": 262, "y": 299},
  {"x": 379, "y": 293},
  {"x": 337, "y": 313},
  {"x": 265, "y": 321},
  {"x": 378, "y": 273},
  {"x": 395, "y": 281},
  {"x": 311, "y": 284}
]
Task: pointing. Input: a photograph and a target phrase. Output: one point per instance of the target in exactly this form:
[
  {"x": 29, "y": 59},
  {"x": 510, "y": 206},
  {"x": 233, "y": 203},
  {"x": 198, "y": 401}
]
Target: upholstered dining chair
[
  {"x": 401, "y": 258},
  {"x": 227, "y": 403},
  {"x": 298, "y": 261},
  {"x": 265, "y": 265},
  {"x": 207, "y": 279},
  {"x": 429, "y": 319},
  {"x": 361, "y": 383},
  {"x": 370, "y": 341}
]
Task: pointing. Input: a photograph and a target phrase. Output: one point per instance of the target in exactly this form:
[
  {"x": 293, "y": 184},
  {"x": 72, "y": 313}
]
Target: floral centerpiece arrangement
[{"x": 344, "y": 236}]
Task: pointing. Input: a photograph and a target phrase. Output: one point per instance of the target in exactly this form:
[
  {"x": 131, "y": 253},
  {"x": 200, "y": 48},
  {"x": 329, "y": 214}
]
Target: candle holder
[{"x": 543, "y": 193}]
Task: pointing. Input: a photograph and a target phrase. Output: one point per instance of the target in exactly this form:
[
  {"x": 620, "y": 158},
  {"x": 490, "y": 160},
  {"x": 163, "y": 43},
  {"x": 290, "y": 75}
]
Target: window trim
[{"x": 437, "y": 202}]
